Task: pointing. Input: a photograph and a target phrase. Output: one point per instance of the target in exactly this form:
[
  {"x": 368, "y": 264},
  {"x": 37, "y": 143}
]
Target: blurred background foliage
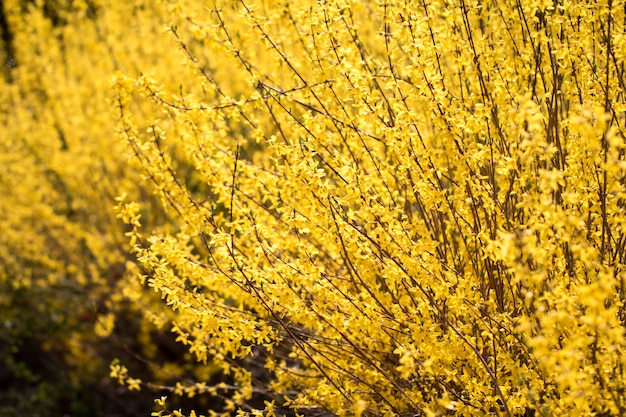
[{"x": 66, "y": 310}]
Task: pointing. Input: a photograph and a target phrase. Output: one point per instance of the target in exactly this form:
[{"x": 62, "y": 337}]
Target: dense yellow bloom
[
  {"x": 398, "y": 207},
  {"x": 352, "y": 207}
]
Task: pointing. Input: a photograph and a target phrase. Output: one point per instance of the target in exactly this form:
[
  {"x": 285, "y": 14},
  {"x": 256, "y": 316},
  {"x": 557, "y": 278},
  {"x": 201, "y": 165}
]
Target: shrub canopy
[
  {"x": 347, "y": 207},
  {"x": 395, "y": 207}
]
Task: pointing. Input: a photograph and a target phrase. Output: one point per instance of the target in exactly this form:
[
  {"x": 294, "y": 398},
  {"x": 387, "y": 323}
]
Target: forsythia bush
[
  {"x": 391, "y": 207},
  {"x": 339, "y": 208}
]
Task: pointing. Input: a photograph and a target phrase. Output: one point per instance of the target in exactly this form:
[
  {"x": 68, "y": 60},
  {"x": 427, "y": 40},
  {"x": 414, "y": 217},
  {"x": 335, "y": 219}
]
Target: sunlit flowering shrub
[
  {"x": 339, "y": 208},
  {"x": 392, "y": 208}
]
